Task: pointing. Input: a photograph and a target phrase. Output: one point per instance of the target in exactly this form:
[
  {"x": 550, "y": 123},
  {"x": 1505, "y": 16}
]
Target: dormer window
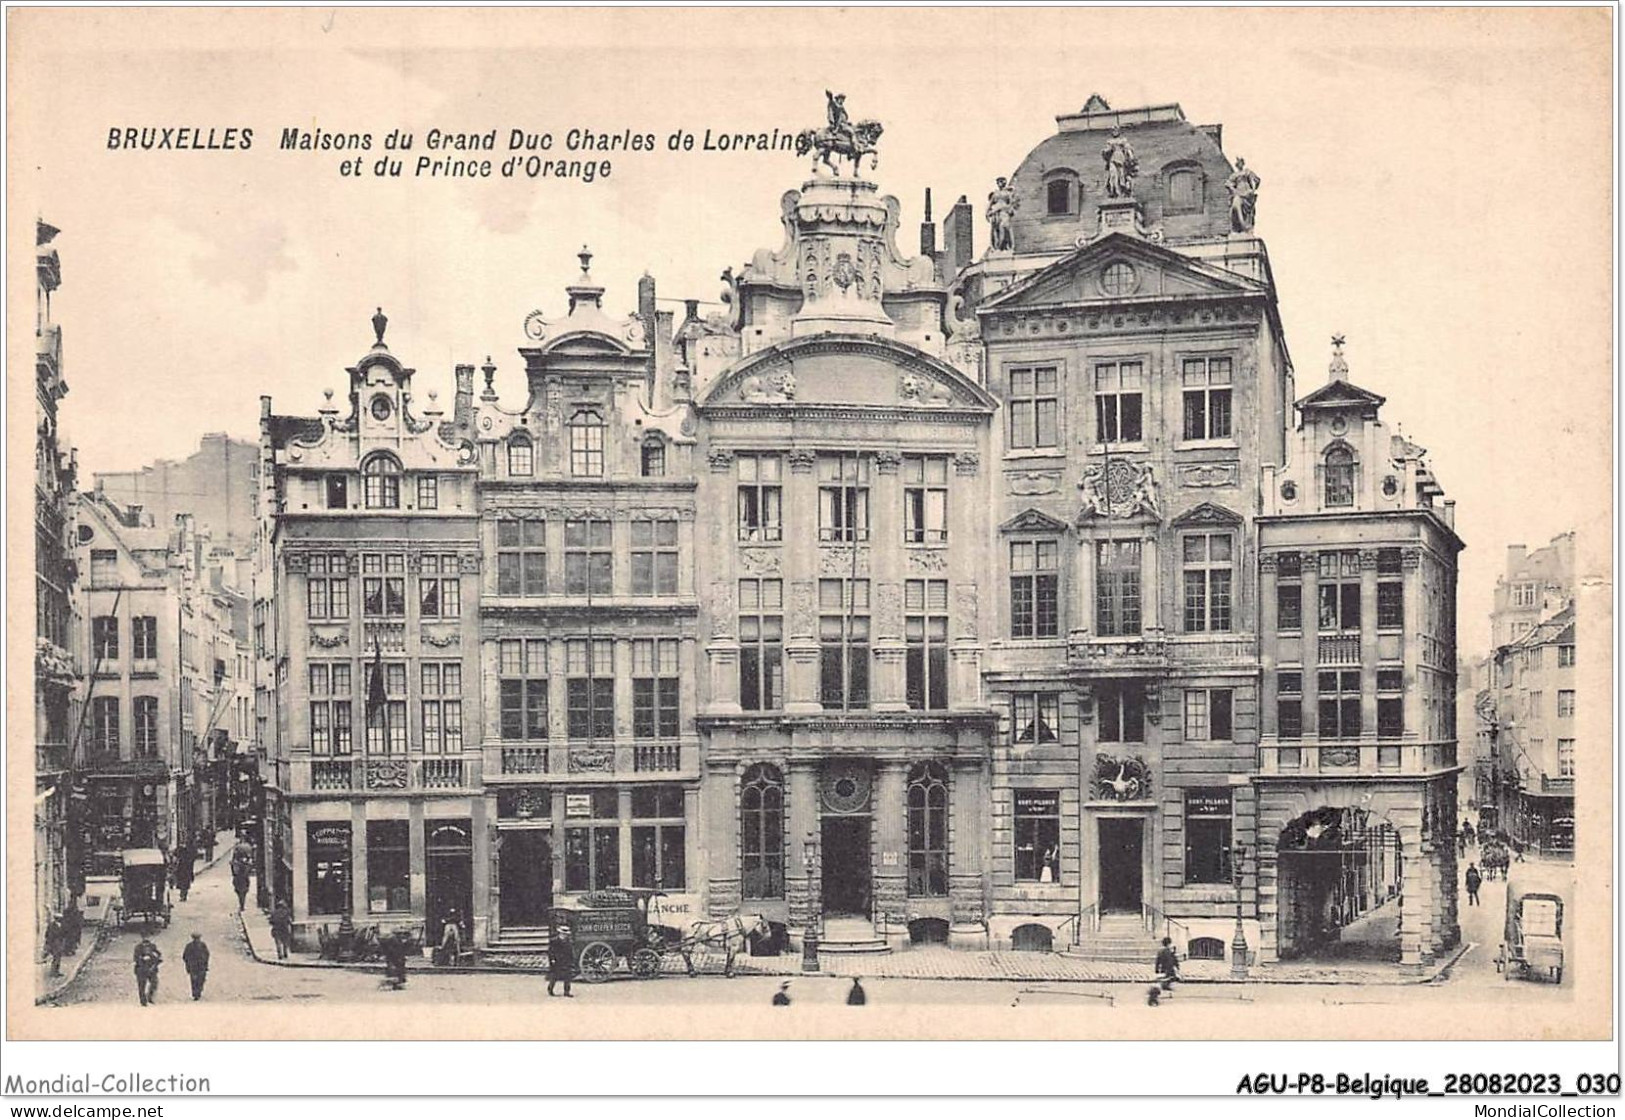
[
  {"x": 1184, "y": 196},
  {"x": 1339, "y": 476},
  {"x": 587, "y": 444},
  {"x": 521, "y": 457},
  {"x": 382, "y": 475},
  {"x": 654, "y": 458},
  {"x": 1060, "y": 196}
]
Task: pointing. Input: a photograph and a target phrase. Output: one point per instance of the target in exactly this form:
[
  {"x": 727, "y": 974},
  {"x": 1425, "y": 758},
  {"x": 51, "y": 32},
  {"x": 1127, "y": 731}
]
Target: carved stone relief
[
  {"x": 888, "y": 601},
  {"x": 722, "y": 608},
  {"x": 760, "y": 561},
  {"x": 917, "y": 389},
  {"x": 721, "y": 459},
  {"x": 803, "y": 608},
  {"x": 1208, "y": 474},
  {"x": 967, "y": 462},
  {"x": 837, "y": 560},
  {"x": 1029, "y": 483},
  {"x": 965, "y": 607},
  {"x": 923, "y": 560}
]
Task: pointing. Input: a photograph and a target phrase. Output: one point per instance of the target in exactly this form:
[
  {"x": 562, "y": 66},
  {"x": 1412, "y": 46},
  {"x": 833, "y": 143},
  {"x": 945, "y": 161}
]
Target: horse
[
  {"x": 860, "y": 143},
  {"x": 730, "y": 934}
]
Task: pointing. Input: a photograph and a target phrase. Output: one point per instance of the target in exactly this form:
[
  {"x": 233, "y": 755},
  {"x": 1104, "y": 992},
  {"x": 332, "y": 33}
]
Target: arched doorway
[{"x": 1339, "y": 876}]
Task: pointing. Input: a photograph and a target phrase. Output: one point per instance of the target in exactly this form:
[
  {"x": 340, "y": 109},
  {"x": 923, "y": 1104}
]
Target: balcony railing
[
  {"x": 1213, "y": 649},
  {"x": 1562, "y": 787},
  {"x": 329, "y": 773},
  {"x": 1143, "y": 652},
  {"x": 524, "y": 760},
  {"x": 650, "y": 757},
  {"x": 442, "y": 773},
  {"x": 1355, "y": 757},
  {"x": 392, "y": 773},
  {"x": 1339, "y": 649},
  {"x": 390, "y": 637}
]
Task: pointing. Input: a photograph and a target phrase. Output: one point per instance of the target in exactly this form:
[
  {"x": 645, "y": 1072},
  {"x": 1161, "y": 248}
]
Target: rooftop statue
[
  {"x": 1121, "y": 166},
  {"x": 840, "y": 137},
  {"x": 1243, "y": 188},
  {"x": 1001, "y": 208}
]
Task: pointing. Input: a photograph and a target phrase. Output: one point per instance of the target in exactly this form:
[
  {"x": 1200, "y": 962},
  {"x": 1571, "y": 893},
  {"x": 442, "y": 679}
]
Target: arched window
[
  {"x": 1058, "y": 196},
  {"x": 654, "y": 458},
  {"x": 1339, "y": 476},
  {"x": 521, "y": 456},
  {"x": 382, "y": 475},
  {"x": 1184, "y": 191},
  {"x": 1205, "y": 949},
  {"x": 761, "y": 832},
  {"x": 927, "y": 832},
  {"x": 587, "y": 444}
]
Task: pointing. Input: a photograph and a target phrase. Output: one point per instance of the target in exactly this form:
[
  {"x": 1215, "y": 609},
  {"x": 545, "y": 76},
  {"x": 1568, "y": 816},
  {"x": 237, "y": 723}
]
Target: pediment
[
  {"x": 1207, "y": 513},
  {"x": 833, "y": 370},
  {"x": 1033, "y": 521},
  {"x": 1153, "y": 273},
  {"x": 1341, "y": 394}
]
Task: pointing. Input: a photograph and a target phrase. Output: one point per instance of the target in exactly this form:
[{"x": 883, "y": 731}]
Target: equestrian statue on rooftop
[{"x": 840, "y": 137}]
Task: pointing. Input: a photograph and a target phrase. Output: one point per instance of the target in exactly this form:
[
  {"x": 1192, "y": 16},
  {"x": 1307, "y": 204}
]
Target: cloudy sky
[{"x": 1435, "y": 186}]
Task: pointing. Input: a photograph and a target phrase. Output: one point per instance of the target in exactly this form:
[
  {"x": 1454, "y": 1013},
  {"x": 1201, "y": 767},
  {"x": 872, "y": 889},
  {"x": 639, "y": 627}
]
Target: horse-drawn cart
[
  {"x": 612, "y": 926},
  {"x": 1534, "y": 922},
  {"x": 143, "y": 887}
]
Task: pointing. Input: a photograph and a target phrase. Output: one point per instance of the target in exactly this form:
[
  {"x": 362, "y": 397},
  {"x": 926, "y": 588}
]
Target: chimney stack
[
  {"x": 462, "y": 412},
  {"x": 956, "y": 239},
  {"x": 928, "y": 230}
]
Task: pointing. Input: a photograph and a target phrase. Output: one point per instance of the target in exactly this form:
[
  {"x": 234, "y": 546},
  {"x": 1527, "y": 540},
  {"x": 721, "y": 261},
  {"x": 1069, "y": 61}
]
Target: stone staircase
[
  {"x": 851, "y": 935},
  {"x": 1120, "y": 937},
  {"x": 520, "y": 939}
]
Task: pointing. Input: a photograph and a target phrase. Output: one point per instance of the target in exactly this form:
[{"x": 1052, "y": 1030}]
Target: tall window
[
  {"x": 1038, "y": 835},
  {"x": 386, "y": 722},
  {"x": 653, "y": 460},
  {"x": 428, "y": 492},
  {"x": 654, "y": 557},
  {"x": 144, "y": 637},
  {"x": 440, "y": 588},
  {"x": 927, "y": 831},
  {"x": 522, "y": 688},
  {"x": 925, "y": 499},
  {"x": 761, "y": 644},
  {"x": 1207, "y": 834},
  {"x": 389, "y": 866},
  {"x": 1523, "y": 594},
  {"x": 843, "y": 498},
  {"x": 383, "y": 585},
  {"x": 103, "y": 567},
  {"x": 925, "y": 626},
  {"x": 1390, "y": 590},
  {"x": 1035, "y": 589},
  {"x": 1184, "y": 192},
  {"x": 658, "y": 857},
  {"x": 592, "y": 840},
  {"x": 1058, "y": 196},
  {"x": 1565, "y": 657},
  {"x": 590, "y": 688},
  {"x": 521, "y": 457},
  {"x": 1120, "y": 711},
  {"x": 1289, "y": 592},
  {"x": 655, "y": 688},
  {"x": 843, "y": 634},
  {"x": 328, "y": 863},
  {"x": 146, "y": 727},
  {"x": 1289, "y": 704},
  {"x": 1208, "y": 714},
  {"x": 587, "y": 444},
  {"x": 1565, "y": 758},
  {"x": 1208, "y": 569},
  {"x": 588, "y": 562},
  {"x": 522, "y": 557},
  {"x": 327, "y": 587},
  {"x": 104, "y": 725},
  {"x": 1339, "y": 476},
  {"x": 1390, "y": 703},
  {"x": 1565, "y": 703},
  {"x": 1034, "y": 407},
  {"x": 381, "y": 476},
  {"x": 1118, "y": 408},
  {"x": 761, "y": 832},
  {"x": 1207, "y": 397},
  {"x": 1339, "y": 591},
  {"x": 104, "y": 637},
  {"x": 338, "y": 491},
  {"x": 761, "y": 498},
  {"x": 331, "y": 716},
  {"x": 1035, "y": 717},
  {"x": 1117, "y": 588},
  {"x": 1339, "y": 703},
  {"x": 442, "y": 706}
]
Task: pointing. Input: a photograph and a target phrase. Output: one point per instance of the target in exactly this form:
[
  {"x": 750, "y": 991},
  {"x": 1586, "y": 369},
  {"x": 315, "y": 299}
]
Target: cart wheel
[
  {"x": 597, "y": 962},
  {"x": 646, "y": 964}
]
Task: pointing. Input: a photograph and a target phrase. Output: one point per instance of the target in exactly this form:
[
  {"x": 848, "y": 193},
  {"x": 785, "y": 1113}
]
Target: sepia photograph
[{"x": 854, "y": 524}]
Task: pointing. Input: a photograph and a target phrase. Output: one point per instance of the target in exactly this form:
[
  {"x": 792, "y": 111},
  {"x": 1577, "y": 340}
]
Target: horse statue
[
  {"x": 853, "y": 143},
  {"x": 730, "y": 935}
]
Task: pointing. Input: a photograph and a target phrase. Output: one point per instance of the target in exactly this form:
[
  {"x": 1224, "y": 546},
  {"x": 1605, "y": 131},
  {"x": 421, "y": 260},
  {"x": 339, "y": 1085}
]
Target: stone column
[
  {"x": 1268, "y": 624},
  {"x": 1152, "y": 615},
  {"x": 802, "y": 886},
  {"x": 717, "y": 584},
  {"x": 720, "y": 822},
  {"x": 891, "y": 849},
  {"x": 623, "y": 806},
  {"x": 1415, "y": 709},
  {"x": 1268, "y": 882},
  {"x": 415, "y": 841},
  {"x": 1413, "y": 889},
  {"x": 1083, "y": 583},
  {"x": 886, "y": 683},
  {"x": 801, "y": 556},
  {"x": 358, "y": 860},
  {"x": 482, "y": 890},
  {"x": 1368, "y": 643},
  {"x": 1311, "y": 653},
  {"x": 969, "y": 822}
]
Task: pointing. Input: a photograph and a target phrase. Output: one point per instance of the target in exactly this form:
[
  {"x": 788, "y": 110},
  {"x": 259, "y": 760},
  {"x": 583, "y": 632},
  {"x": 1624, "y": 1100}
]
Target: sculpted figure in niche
[
  {"x": 1121, "y": 166},
  {"x": 1001, "y": 208},
  {"x": 1243, "y": 188},
  {"x": 775, "y": 388}
]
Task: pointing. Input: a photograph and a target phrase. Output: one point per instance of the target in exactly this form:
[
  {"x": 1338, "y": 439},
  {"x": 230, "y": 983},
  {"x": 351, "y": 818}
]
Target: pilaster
[
  {"x": 802, "y": 883},
  {"x": 1368, "y": 641},
  {"x": 891, "y": 846}
]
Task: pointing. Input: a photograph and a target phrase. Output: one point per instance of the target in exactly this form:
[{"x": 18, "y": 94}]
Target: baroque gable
[
  {"x": 1207, "y": 513},
  {"x": 837, "y": 370},
  {"x": 1033, "y": 521},
  {"x": 1119, "y": 268}
]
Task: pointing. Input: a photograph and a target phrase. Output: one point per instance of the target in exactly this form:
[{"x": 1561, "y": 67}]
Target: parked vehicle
[
  {"x": 144, "y": 887},
  {"x": 611, "y": 926},
  {"x": 1536, "y": 895}
]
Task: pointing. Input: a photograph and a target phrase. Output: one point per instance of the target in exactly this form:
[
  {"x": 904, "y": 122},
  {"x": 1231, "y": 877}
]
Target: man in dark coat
[
  {"x": 561, "y": 959},
  {"x": 1474, "y": 881},
  {"x": 196, "y": 958},
  {"x": 239, "y": 881},
  {"x": 282, "y": 928},
  {"x": 185, "y": 857},
  {"x": 1167, "y": 964},
  {"x": 54, "y": 943},
  {"x": 855, "y": 996},
  {"x": 781, "y": 998},
  {"x": 394, "y": 950},
  {"x": 147, "y": 960},
  {"x": 205, "y": 843}
]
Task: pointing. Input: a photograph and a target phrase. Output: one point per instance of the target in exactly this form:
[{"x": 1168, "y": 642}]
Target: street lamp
[
  {"x": 810, "y": 936},
  {"x": 1238, "y": 943}
]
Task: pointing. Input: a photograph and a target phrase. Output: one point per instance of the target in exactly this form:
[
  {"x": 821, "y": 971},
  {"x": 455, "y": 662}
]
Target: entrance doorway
[
  {"x": 846, "y": 865},
  {"x": 1339, "y": 874},
  {"x": 525, "y": 877},
  {"x": 449, "y": 871},
  {"x": 1122, "y": 875}
]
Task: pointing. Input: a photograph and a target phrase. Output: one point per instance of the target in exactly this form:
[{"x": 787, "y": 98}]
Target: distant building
[
  {"x": 1531, "y": 734},
  {"x": 215, "y": 484},
  {"x": 1534, "y": 586}
]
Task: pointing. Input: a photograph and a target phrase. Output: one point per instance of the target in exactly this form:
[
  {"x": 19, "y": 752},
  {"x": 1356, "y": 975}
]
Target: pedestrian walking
[
  {"x": 855, "y": 995},
  {"x": 561, "y": 959},
  {"x": 196, "y": 959},
  {"x": 54, "y": 943},
  {"x": 205, "y": 842},
  {"x": 282, "y": 928},
  {"x": 147, "y": 960},
  {"x": 394, "y": 950},
  {"x": 1167, "y": 965},
  {"x": 239, "y": 882},
  {"x": 451, "y": 940},
  {"x": 1474, "y": 881},
  {"x": 781, "y": 998},
  {"x": 185, "y": 858}
]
